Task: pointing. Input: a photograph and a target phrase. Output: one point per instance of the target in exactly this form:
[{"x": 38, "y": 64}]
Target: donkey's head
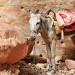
[
  {"x": 38, "y": 21},
  {"x": 34, "y": 24}
]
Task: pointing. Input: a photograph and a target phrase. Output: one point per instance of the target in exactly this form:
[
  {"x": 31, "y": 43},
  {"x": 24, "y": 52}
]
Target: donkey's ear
[
  {"x": 30, "y": 12},
  {"x": 37, "y": 11},
  {"x": 43, "y": 18}
]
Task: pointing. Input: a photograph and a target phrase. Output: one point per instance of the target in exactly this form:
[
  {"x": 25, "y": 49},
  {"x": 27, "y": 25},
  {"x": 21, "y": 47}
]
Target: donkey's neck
[{"x": 44, "y": 25}]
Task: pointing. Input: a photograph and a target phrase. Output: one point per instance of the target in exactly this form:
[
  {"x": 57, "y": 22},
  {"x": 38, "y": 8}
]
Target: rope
[
  {"x": 62, "y": 35},
  {"x": 34, "y": 52}
]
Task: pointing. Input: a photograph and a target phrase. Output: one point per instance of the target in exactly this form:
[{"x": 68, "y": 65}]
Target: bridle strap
[{"x": 33, "y": 31}]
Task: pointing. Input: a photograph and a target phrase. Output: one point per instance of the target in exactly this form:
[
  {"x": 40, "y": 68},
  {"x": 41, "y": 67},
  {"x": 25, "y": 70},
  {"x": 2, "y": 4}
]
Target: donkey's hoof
[
  {"x": 33, "y": 62},
  {"x": 53, "y": 71},
  {"x": 50, "y": 72}
]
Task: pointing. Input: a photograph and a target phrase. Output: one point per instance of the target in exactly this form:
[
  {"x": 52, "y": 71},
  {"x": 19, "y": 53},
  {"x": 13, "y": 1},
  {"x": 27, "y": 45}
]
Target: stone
[
  {"x": 13, "y": 44},
  {"x": 58, "y": 59},
  {"x": 70, "y": 64}
]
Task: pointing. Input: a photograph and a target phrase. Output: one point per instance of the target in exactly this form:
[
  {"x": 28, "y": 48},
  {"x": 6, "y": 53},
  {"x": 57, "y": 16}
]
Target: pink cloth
[{"x": 68, "y": 17}]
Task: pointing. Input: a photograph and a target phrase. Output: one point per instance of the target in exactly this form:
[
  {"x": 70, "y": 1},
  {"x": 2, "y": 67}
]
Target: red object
[
  {"x": 62, "y": 15},
  {"x": 68, "y": 13},
  {"x": 13, "y": 44},
  {"x": 19, "y": 52}
]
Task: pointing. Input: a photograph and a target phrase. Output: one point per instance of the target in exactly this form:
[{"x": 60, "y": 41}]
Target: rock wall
[
  {"x": 21, "y": 7},
  {"x": 16, "y": 12},
  {"x": 44, "y": 5}
]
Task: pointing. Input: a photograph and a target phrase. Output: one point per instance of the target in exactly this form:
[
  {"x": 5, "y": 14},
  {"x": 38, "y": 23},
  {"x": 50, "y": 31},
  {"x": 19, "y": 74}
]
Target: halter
[{"x": 33, "y": 31}]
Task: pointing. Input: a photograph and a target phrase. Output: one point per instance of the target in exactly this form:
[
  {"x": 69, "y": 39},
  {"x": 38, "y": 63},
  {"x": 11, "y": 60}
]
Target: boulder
[{"x": 13, "y": 44}]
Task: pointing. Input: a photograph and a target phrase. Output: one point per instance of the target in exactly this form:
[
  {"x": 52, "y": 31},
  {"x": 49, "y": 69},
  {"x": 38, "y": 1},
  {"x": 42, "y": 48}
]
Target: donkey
[{"x": 44, "y": 26}]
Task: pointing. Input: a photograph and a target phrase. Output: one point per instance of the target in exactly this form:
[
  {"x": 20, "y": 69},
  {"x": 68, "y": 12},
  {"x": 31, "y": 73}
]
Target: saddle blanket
[{"x": 68, "y": 17}]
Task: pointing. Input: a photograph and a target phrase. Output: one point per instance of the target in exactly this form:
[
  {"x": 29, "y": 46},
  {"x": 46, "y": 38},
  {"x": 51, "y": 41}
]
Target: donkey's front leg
[
  {"x": 53, "y": 47},
  {"x": 49, "y": 56},
  {"x": 48, "y": 47}
]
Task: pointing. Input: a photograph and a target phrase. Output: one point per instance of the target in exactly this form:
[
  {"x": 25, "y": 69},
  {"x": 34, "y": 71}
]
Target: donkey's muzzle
[{"x": 33, "y": 37}]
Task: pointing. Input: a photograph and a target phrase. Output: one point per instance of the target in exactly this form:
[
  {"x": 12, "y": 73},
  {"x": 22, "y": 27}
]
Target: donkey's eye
[{"x": 38, "y": 23}]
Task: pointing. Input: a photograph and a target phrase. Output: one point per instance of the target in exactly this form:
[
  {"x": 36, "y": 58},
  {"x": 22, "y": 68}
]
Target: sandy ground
[{"x": 41, "y": 68}]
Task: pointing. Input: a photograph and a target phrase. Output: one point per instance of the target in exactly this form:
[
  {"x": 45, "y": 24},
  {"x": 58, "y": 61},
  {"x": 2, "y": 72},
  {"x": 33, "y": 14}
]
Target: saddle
[
  {"x": 67, "y": 28},
  {"x": 69, "y": 18}
]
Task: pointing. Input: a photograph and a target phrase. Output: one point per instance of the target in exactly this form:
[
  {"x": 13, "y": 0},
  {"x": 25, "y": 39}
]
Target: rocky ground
[
  {"x": 23, "y": 68},
  {"x": 26, "y": 66}
]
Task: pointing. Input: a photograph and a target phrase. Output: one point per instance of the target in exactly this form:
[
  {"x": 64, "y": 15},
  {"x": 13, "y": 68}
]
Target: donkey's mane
[{"x": 44, "y": 23}]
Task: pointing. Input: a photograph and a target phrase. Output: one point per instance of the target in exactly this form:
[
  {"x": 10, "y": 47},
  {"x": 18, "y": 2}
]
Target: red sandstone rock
[{"x": 13, "y": 44}]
